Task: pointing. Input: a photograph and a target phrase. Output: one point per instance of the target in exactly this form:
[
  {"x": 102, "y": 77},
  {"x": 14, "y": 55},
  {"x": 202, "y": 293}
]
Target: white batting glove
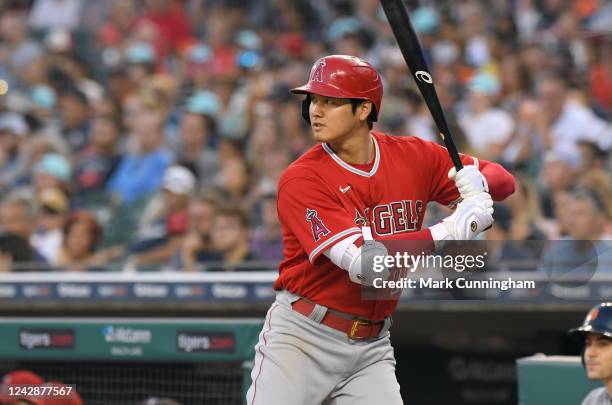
[
  {"x": 469, "y": 181},
  {"x": 472, "y": 216}
]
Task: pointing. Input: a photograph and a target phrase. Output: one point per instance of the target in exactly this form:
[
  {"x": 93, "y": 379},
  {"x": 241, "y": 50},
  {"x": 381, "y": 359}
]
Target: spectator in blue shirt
[{"x": 140, "y": 171}]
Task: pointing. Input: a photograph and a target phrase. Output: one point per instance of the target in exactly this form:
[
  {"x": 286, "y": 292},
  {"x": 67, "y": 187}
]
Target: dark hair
[
  {"x": 92, "y": 224},
  {"x": 598, "y": 153},
  {"x": 355, "y": 102},
  {"x": 234, "y": 212},
  {"x": 19, "y": 248},
  {"x": 111, "y": 119},
  {"x": 75, "y": 93},
  {"x": 586, "y": 193}
]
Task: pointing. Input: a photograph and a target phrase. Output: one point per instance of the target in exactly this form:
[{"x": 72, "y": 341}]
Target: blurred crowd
[{"x": 147, "y": 135}]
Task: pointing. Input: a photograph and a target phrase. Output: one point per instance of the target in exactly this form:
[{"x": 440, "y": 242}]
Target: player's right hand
[
  {"x": 472, "y": 216},
  {"x": 469, "y": 181}
]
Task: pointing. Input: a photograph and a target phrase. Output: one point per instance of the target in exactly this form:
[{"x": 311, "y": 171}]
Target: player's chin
[
  {"x": 321, "y": 136},
  {"x": 324, "y": 134}
]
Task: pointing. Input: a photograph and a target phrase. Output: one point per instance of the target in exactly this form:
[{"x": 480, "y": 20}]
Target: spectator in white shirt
[
  {"x": 486, "y": 127},
  {"x": 48, "y": 14},
  {"x": 565, "y": 121}
]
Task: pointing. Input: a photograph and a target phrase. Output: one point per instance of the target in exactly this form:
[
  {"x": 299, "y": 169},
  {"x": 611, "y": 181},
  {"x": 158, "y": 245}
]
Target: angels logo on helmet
[{"x": 317, "y": 72}]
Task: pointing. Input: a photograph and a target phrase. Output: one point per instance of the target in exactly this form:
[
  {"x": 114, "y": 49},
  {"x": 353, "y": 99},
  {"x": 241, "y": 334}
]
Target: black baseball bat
[{"x": 413, "y": 55}]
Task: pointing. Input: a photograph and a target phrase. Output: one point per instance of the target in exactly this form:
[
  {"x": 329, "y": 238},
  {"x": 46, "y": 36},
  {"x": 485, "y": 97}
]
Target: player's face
[
  {"x": 332, "y": 118},
  {"x": 598, "y": 357}
]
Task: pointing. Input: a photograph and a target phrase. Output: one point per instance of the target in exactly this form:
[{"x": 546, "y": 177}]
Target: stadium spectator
[
  {"x": 140, "y": 171},
  {"x": 116, "y": 25},
  {"x": 48, "y": 235},
  {"x": 587, "y": 250},
  {"x": 81, "y": 235},
  {"x": 560, "y": 223},
  {"x": 486, "y": 127},
  {"x": 229, "y": 236},
  {"x": 558, "y": 175},
  {"x": 75, "y": 111},
  {"x": 169, "y": 21},
  {"x": 522, "y": 149},
  {"x": 140, "y": 58},
  {"x": 42, "y": 101},
  {"x": 527, "y": 222},
  {"x": 15, "y": 252},
  {"x": 600, "y": 81},
  {"x": 13, "y": 134},
  {"x": 18, "y": 217},
  {"x": 197, "y": 135},
  {"x": 594, "y": 174},
  {"x": 564, "y": 121},
  {"x": 31, "y": 70},
  {"x": 52, "y": 170},
  {"x": 233, "y": 179},
  {"x": 515, "y": 241},
  {"x": 99, "y": 158},
  {"x": 197, "y": 244},
  {"x": 17, "y": 44},
  {"x": 514, "y": 83},
  {"x": 267, "y": 238},
  {"x": 46, "y": 14},
  {"x": 165, "y": 221},
  {"x": 589, "y": 216}
]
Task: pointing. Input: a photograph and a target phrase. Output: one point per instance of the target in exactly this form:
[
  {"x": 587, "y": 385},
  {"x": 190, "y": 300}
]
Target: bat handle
[
  {"x": 458, "y": 164},
  {"x": 452, "y": 150}
]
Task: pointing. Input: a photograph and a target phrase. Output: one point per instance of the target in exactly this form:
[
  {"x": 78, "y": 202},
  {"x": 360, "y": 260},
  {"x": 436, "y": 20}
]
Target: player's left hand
[{"x": 469, "y": 181}]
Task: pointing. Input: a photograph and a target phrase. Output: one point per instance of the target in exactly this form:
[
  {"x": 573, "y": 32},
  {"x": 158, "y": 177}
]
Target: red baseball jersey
[{"x": 322, "y": 200}]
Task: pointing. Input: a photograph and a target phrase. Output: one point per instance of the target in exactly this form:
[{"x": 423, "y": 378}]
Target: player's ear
[{"x": 364, "y": 110}]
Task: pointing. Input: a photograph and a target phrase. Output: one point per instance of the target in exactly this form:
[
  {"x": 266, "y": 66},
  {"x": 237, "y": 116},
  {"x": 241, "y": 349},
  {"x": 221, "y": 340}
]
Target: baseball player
[
  {"x": 596, "y": 332},
  {"x": 321, "y": 342}
]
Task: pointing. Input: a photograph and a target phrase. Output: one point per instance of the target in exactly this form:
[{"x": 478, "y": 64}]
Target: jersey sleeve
[
  {"x": 313, "y": 215},
  {"x": 443, "y": 189}
]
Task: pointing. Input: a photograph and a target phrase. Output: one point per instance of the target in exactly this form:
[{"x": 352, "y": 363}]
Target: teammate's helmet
[
  {"x": 344, "y": 76},
  {"x": 598, "y": 320}
]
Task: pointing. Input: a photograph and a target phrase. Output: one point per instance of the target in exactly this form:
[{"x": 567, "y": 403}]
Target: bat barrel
[{"x": 413, "y": 55}]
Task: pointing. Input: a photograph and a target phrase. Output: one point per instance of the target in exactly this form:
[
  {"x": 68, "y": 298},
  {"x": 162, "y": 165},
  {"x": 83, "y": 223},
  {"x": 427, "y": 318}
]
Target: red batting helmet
[{"x": 343, "y": 76}]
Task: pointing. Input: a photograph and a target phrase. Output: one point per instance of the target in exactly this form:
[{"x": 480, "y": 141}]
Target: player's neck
[
  {"x": 357, "y": 148},
  {"x": 609, "y": 387}
]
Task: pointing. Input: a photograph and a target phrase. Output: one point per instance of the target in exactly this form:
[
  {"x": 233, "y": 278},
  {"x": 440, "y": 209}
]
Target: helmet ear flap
[
  {"x": 305, "y": 108},
  {"x": 582, "y": 357}
]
